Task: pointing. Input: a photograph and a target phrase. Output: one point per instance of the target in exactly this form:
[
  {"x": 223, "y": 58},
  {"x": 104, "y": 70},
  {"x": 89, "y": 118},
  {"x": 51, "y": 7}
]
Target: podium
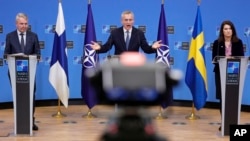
[
  {"x": 113, "y": 58},
  {"x": 22, "y": 69},
  {"x": 232, "y": 75}
]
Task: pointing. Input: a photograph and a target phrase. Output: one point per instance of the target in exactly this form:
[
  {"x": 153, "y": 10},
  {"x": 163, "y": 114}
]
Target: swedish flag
[{"x": 196, "y": 75}]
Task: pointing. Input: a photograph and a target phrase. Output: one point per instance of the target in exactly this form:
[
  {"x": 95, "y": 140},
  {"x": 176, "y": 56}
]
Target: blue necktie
[
  {"x": 22, "y": 42},
  {"x": 127, "y": 39}
]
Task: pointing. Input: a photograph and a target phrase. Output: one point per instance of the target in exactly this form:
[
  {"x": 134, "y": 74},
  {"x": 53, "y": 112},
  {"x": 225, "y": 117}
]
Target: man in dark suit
[
  {"x": 23, "y": 41},
  {"x": 126, "y": 38}
]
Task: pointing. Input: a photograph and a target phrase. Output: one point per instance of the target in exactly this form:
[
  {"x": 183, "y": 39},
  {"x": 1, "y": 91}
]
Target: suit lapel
[
  {"x": 121, "y": 38},
  {"x": 28, "y": 42},
  {"x": 27, "y": 39},
  {"x": 133, "y": 38},
  {"x": 16, "y": 39}
]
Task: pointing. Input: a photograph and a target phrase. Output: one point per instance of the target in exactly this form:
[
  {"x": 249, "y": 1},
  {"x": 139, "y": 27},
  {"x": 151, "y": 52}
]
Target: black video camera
[
  {"x": 148, "y": 84},
  {"x": 132, "y": 87}
]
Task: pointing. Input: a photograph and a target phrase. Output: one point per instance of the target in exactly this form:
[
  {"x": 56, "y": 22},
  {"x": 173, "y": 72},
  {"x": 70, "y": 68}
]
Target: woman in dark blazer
[{"x": 228, "y": 45}]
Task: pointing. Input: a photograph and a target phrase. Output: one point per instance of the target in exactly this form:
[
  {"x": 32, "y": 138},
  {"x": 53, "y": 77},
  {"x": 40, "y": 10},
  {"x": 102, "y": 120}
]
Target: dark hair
[{"x": 221, "y": 35}]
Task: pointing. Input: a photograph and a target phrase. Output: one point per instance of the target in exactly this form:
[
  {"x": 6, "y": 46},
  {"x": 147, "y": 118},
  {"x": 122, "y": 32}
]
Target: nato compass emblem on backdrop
[
  {"x": 163, "y": 55},
  {"x": 77, "y": 60},
  {"x": 22, "y": 65},
  {"x": 77, "y": 29},
  {"x": 247, "y": 31},
  {"x": 207, "y": 46},
  {"x": 217, "y": 32},
  {"x": 89, "y": 57},
  {"x": 177, "y": 45},
  {"x": 190, "y": 30},
  {"x": 2, "y": 45},
  {"x": 47, "y": 60},
  {"x": 233, "y": 67},
  {"x": 49, "y": 29},
  {"x": 106, "y": 29}
]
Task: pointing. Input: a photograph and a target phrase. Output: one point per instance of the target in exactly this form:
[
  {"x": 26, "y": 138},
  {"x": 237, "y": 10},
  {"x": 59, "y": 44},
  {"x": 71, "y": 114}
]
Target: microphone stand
[{"x": 246, "y": 35}]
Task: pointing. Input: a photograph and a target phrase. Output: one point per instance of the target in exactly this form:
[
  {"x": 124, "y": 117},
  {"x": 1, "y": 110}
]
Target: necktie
[
  {"x": 127, "y": 39},
  {"x": 22, "y": 41}
]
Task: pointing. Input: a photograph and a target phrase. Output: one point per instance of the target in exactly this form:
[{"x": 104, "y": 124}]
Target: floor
[{"x": 76, "y": 123}]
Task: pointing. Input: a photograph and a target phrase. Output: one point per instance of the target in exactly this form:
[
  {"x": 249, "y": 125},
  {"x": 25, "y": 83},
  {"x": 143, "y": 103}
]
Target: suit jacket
[
  {"x": 137, "y": 40},
  {"x": 13, "y": 45},
  {"x": 219, "y": 50}
]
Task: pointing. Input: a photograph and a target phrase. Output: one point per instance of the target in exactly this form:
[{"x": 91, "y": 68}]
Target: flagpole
[
  {"x": 192, "y": 115},
  {"x": 160, "y": 114},
  {"x": 89, "y": 114},
  {"x": 59, "y": 114}
]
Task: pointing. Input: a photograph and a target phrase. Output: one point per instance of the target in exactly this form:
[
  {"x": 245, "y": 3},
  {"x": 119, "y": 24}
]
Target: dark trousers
[{"x": 218, "y": 89}]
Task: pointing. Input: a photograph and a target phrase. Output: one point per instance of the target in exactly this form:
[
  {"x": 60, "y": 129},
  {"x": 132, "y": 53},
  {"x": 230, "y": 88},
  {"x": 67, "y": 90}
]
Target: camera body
[
  {"x": 145, "y": 85},
  {"x": 132, "y": 88},
  {"x": 131, "y": 124}
]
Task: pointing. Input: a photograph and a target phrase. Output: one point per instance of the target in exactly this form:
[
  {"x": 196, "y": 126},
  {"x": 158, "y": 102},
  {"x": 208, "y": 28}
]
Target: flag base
[
  {"x": 192, "y": 116},
  {"x": 160, "y": 116},
  {"x": 89, "y": 115},
  {"x": 59, "y": 114}
]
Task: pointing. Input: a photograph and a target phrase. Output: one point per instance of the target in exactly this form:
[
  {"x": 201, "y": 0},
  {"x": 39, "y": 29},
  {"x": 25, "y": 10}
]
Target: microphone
[
  {"x": 245, "y": 34},
  {"x": 109, "y": 56},
  {"x": 5, "y": 59}
]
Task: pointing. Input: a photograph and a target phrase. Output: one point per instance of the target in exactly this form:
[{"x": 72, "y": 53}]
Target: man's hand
[
  {"x": 157, "y": 44},
  {"x": 95, "y": 46}
]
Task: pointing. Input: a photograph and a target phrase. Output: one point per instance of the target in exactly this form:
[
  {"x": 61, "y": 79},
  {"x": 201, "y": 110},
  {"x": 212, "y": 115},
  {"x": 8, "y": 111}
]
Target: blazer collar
[{"x": 18, "y": 32}]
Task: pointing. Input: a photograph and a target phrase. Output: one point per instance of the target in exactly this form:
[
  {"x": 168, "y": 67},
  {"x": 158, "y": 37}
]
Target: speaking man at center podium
[{"x": 126, "y": 38}]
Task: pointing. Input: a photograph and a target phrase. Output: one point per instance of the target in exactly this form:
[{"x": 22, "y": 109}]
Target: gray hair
[
  {"x": 21, "y": 15},
  {"x": 126, "y": 13}
]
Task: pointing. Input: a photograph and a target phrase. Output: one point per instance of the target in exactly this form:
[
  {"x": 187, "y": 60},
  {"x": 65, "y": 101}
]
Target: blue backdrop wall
[{"x": 179, "y": 13}]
